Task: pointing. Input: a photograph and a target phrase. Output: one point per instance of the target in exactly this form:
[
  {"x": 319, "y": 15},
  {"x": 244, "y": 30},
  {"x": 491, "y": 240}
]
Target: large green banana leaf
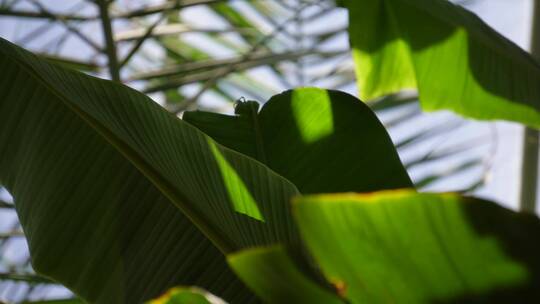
[
  {"x": 92, "y": 166},
  {"x": 453, "y": 58},
  {"x": 321, "y": 140},
  {"x": 405, "y": 247}
]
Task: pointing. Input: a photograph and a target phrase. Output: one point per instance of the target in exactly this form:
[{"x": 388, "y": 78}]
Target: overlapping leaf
[
  {"x": 321, "y": 140},
  {"x": 275, "y": 278},
  {"x": 93, "y": 165},
  {"x": 454, "y": 59},
  {"x": 404, "y": 247}
]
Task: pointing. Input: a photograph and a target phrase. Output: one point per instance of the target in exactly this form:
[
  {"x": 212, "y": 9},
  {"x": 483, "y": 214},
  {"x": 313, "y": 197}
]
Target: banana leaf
[{"x": 448, "y": 54}]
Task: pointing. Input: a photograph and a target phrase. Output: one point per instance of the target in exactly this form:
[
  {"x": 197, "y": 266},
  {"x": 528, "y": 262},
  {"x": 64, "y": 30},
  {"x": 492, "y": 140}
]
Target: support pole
[
  {"x": 110, "y": 46},
  {"x": 529, "y": 166}
]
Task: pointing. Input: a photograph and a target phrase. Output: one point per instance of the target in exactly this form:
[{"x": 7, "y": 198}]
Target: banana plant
[
  {"x": 226, "y": 200},
  {"x": 128, "y": 200},
  {"x": 238, "y": 22}
]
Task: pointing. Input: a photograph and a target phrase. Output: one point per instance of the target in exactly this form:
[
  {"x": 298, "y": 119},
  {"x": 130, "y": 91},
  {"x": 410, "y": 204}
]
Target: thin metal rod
[
  {"x": 6, "y": 205},
  {"x": 529, "y": 166},
  {"x": 66, "y": 24},
  {"x": 110, "y": 46},
  {"x": 167, "y": 6},
  {"x": 298, "y": 35},
  {"x": 231, "y": 69},
  {"x": 7, "y": 12}
]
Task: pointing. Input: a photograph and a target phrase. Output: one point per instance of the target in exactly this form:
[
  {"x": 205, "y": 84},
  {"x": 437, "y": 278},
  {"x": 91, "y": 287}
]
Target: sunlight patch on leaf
[
  {"x": 239, "y": 194},
  {"x": 313, "y": 127}
]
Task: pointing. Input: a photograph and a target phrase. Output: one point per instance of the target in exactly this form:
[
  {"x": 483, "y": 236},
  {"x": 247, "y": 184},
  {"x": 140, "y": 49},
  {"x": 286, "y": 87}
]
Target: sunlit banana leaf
[
  {"x": 406, "y": 247},
  {"x": 453, "y": 58}
]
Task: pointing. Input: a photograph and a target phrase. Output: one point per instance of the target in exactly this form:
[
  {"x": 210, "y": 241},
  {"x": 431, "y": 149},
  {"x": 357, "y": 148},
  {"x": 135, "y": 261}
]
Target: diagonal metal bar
[
  {"x": 230, "y": 69},
  {"x": 141, "y": 41},
  {"x": 29, "y": 278},
  {"x": 110, "y": 44},
  {"x": 160, "y": 8},
  {"x": 172, "y": 29},
  {"x": 6, "y": 205},
  {"x": 219, "y": 71},
  {"x": 68, "y": 26},
  {"x": 257, "y": 59},
  {"x": 11, "y": 234},
  {"x": 7, "y": 12}
]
